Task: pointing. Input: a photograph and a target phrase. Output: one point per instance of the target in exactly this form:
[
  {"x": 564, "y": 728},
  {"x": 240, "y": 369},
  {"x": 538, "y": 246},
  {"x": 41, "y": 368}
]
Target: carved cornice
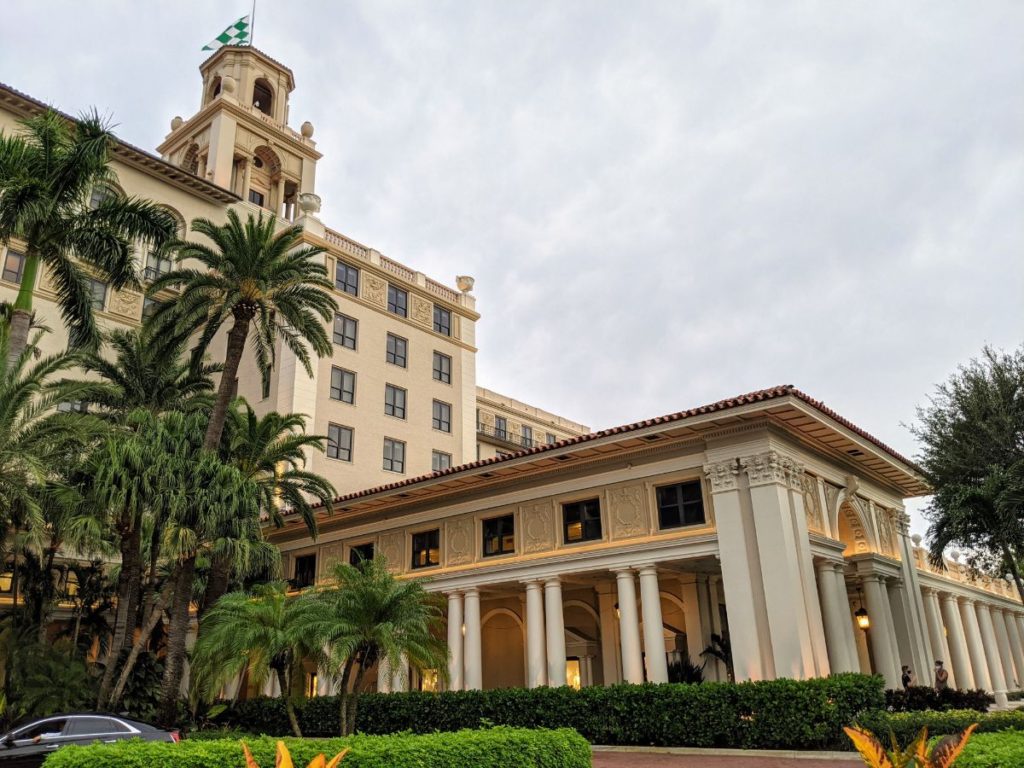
[{"x": 722, "y": 475}]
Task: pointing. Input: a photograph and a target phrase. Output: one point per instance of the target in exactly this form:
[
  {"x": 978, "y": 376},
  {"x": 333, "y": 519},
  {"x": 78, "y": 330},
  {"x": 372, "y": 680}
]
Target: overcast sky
[{"x": 663, "y": 204}]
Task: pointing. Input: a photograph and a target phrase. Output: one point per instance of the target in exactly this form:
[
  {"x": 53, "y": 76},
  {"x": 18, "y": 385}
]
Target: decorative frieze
[
  {"x": 375, "y": 289},
  {"x": 330, "y": 555},
  {"x": 538, "y": 527},
  {"x": 422, "y": 310},
  {"x": 627, "y": 512},
  {"x": 126, "y": 303},
  {"x": 392, "y": 547},
  {"x": 459, "y": 539},
  {"x": 812, "y": 504},
  {"x": 722, "y": 475},
  {"x": 773, "y": 467}
]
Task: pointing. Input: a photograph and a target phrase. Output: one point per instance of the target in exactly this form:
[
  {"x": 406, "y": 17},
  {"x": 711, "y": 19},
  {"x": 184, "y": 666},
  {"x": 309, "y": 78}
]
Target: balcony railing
[{"x": 506, "y": 436}]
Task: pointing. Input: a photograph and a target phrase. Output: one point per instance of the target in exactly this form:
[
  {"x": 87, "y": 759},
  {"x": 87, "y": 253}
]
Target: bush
[
  {"x": 918, "y": 698},
  {"x": 906, "y": 725},
  {"x": 993, "y": 750},
  {"x": 780, "y": 714},
  {"x": 492, "y": 748}
]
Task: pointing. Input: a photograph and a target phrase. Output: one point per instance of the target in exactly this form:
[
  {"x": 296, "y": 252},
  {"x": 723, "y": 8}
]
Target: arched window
[
  {"x": 215, "y": 88},
  {"x": 101, "y": 193},
  {"x": 158, "y": 262},
  {"x": 263, "y": 97},
  {"x": 190, "y": 161}
]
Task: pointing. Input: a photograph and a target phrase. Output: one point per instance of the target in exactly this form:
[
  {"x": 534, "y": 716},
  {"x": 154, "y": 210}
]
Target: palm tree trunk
[
  {"x": 343, "y": 697},
  {"x": 177, "y": 633},
  {"x": 217, "y": 582},
  {"x": 148, "y": 625},
  {"x": 356, "y": 690},
  {"x": 289, "y": 706},
  {"x": 232, "y": 357},
  {"x": 21, "y": 314},
  {"x": 127, "y": 584}
]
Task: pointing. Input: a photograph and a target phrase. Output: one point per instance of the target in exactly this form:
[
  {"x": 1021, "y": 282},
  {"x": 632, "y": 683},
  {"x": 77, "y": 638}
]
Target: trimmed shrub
[
  {"x": 906, "y": 725},
  {"x": 918, "y": 698},
  {"x": 491, "y": 748},
  {"x": 993, "y": 750},
  {"x": 781, "y": 714}
]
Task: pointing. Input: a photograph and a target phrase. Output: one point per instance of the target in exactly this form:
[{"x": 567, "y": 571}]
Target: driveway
[{"x": 607, "y": 758}]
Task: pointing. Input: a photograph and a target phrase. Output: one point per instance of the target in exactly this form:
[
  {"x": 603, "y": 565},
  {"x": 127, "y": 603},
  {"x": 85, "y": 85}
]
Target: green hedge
[
  {"x": 918, "y": 698},
  {"x": 774, "y": 714},
  {"x": 906, "y": 725},
  {"x": 491, "y": 748},
  {"x": 993, "y": 750}
]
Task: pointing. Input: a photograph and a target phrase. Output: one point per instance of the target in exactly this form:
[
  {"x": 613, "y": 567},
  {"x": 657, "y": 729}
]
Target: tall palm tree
[
  {"x": 263, "y": 631},
  {"x": 57, "y": 196},
  {"x": 369, "y": 617},
  {"x": 264, "y": 281},
  {"x": 271, "y": 451}
]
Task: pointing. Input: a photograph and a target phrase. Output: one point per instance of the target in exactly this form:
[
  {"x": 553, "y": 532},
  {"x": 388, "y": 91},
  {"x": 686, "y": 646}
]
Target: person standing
[
  {"x": 941, "y": 677},
  {"x": 907, "y": 677}
]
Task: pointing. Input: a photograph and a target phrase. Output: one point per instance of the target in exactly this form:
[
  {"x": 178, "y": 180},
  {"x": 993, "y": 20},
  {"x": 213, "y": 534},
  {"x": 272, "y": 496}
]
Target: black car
[{"x": 28, "y": 744}]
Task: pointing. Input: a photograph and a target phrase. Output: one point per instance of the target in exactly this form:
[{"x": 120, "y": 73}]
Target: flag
[{"x": 236, "y": 34}]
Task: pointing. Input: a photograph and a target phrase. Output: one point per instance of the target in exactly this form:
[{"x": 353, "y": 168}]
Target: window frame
[
  {"x": 295, "y": 569},
  {"x": 338, "y": 316},
  {"x": 341, "y": 388},
  {"x": 439, "y": 373},
  {"x": 442, "y": 320},
  {"x": 396, "y": 307},
  {"x": 434, "y": 455},
  {"x": 435, "y": 533},
  {"x": 598, "y": 519},
  {"x": 393, "y": 391},
  {"x": 345, "y": 285},
  {"x": 19, "y": 272},
  {"x": 500, "y": 535},
  {"x": 101, "y": 304},
  {"x": 438, "y": 421},
  {"x": 526, "y": 436},
  {"x": 502, "y": 433},
  {"x": 681, "y": 504},
  {"x": 354, "y": 551},
  {"x": 394, "y": 443},
  {"x": 391, "y": 354},
  {"x": 342, "y": 429}
]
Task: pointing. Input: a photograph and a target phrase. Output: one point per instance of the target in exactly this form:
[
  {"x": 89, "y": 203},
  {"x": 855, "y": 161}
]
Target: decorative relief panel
[
  {"x": 849, "y": 519},
  {"x": 459, "y": 540},
  {"x": 486, "y": 419},
  {"x": 886, "y": 530},
  {"x": 772, "y": 467},
  {"x": 538, "y": 520},
  {"x": 422, "y": 310},
  {"x": 330, "y": 555},
  {"x": 722, "y": 475},
  {"x": 126, "y": 303},
  {"x": 812, "y": 504},
  {"x": 392, "y": 547},
  {"x": 627, "y": 512},
  {"x": 375, "y": 290}
]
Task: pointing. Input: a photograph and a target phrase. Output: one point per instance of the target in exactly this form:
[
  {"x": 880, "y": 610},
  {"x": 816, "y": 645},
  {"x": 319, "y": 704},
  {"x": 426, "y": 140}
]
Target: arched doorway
[
  {"x": 582, "y": 644},
  {"x": 504, "y": 647}
]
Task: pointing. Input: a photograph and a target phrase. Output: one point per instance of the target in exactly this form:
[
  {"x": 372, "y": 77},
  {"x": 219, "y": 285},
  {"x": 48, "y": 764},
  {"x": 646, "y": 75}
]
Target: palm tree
[
  {"x": 369, "y": 617},
  {"x": 57, "y": 196},
  {"x": 263, "y": 631},
  {"x": 271, "y": 451},
  {"x": 257, "y": 278}
]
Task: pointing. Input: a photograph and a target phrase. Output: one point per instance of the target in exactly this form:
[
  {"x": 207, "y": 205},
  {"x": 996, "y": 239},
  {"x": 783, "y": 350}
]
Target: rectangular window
[
  {"x": 72, "y": 406},
  {"x": 442, "y": 320},
  {"x": 346, "y": 278},
  {"x": 442, "y": 368},
  {"x": 98, "y": 294},
  {"x": 550, "y": 439},
  {"x": 394, "y": 401},
  {"x": 339, "y": 442},
  {"x": 582, "y": 520},
  {"x": 501, "y": 427},
  {"x": 680, "y": 505},
  {"x": 398, "y": 301},
  {"x": 442, "y": 416},
  {"x": 156, "y": 265},
  {"x": 305, "y": 571},
  {"x": 345, "y": 330},
  {"x": 500, "y": 536},
  {"x": 398, "y": 351},
  {"x": 394, "y": 455},
  {"x": 149, "y": 306},
  {"x": 256, "y": 197},
  {"x": 426, "y": 548},
  {"x": 343, "y": 385},
  {"x": 527, "y": 437},
  {"x": 359, "y": 553},
  {"x": 14, "y": 266},
  {"x": 440, "y": 460}
]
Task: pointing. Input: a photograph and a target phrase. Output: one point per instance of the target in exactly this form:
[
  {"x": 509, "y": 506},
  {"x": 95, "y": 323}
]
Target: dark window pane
[
  {"x": 343, "y": 385},
  {"x": 442, "y": 416},
  {"x": 98, "y": 294},
  {"x": 345, "y": 329},
  {"x": 305, "y": 571},
  {"x": 426, "y": 549},
  {"x": 394, "y": 455},
  {"x": 339, "y": 442},
  {"x": 394, "y": 401},
  {"x": 14, "y": 266},
  {"x": 442, "y": 320},
  {"x": 93, "y": 726},
  {"x": 440, "y": 460},
  {"x": 442, "y": 368},
  {"x": 550, "y": 439},
  {"x": 582, "y": 520},
  {"x": 499, "y": 535},
  {"x": 680, "y": 504},
  {"x": 360, "y": 553},
  {"x": 397, "y": 353},
  {"x": 398, "y": 301},
  {"x": 346, "y": 278},
  {"x": 256, "y": 198},
  {"x": 46, "y": 729},
  {"x": 501, "y": 427},
  {"x": 527, "y": 436}
]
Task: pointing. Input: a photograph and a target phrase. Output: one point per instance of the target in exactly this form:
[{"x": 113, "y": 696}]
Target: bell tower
[{"x": 240, "y": 139}]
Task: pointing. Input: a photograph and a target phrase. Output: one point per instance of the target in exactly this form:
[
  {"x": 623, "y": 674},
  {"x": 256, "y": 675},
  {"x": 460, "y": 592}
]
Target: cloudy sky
[{"x": 663, "y": 203}]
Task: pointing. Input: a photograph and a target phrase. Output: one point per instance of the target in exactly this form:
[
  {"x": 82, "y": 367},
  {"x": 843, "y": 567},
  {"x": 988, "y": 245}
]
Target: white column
[
  {"x": 975, "y": 649},
  {"x": 456, "y": 681},
  {"x": 1005, "y": 655},
  {"x": 896, "y": 651},
  {"x": 991, "y": 645},
  {"x": 609, "y": 637},
  {"x": 1016, "y": 646},
  {"x": 959, "y": 658},
  {"x": 880, "y": 632},
  {"x": 629, "y": 628},
  {"x": 692, "y": 587},
  {"x": 384, "y": 676},
  {"x": 834, "y": 615},
  {"x": 400, "y": 675},
  {"x": 536, "y": 658},
  {"x": 848, "y": 630},
  {"x": 554, "y": 623},
  {"x": 474, "y": 674},
  {"x": 937, "y": 637},
  {"x": 246, "y": 178},
  {"x": 654, "y": 633}
]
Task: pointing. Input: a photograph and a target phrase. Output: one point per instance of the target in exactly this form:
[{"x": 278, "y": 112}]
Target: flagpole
[{"x": 252, "y": 23}]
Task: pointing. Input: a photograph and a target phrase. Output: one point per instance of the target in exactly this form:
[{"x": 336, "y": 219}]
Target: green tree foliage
[
  {"x": 972, "y": 438},
  {"x": 58, "y": 196}
]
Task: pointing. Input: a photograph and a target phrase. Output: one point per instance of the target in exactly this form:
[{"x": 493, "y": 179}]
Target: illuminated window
[
  {"x": 429, "y": 680},
  {"x": 499, "y": 535},
  {"x": 572, "y": 673},
  {"x": 582, "y": 520},
  {"x": 426, "y": 549},
  {"x": 312, "y": 687}
]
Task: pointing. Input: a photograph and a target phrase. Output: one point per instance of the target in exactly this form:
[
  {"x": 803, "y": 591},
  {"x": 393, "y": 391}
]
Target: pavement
[{"x": 643, "y": 757}]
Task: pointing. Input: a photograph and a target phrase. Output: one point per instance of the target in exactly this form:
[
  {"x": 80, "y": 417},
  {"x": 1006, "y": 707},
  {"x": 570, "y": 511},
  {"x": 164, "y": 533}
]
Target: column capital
[
  {"x": 643, "y": 568},
  {"x": 877, "y": 578},
  {"x": 965, "y": 600},
  {"x": 471, "y": 592},
  {"x": 532, "y": 583},
  {"x": 722, "y": 475},
  {"x": 773, "y": 467},
  {"x": 622, "y": 572},
  {"x": 552, "y": 581}
]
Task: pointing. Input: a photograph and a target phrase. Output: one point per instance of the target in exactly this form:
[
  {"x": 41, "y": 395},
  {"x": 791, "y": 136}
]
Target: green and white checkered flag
[{"x": 236, "y": 34}]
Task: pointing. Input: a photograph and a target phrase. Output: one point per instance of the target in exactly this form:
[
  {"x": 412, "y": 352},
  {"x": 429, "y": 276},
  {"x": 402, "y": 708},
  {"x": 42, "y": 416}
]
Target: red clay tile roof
[{"x": 750, "y": 398}]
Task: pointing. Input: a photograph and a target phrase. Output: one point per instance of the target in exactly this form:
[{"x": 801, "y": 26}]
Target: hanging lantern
[{"x": 863, "y": 620}]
